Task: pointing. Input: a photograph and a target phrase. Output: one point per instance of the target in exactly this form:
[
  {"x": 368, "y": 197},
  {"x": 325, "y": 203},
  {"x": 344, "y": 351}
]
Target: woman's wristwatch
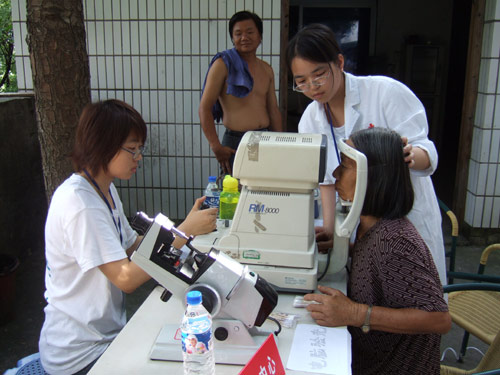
[{"x": 366, "y": 325}]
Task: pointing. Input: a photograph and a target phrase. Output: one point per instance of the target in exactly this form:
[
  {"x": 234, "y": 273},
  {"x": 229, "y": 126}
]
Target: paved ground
[{"x": 19, "y": 337}]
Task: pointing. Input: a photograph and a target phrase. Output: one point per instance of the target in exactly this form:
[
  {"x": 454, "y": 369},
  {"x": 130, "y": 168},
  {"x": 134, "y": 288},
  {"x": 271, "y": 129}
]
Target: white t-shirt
[
  {"x": 85, "y": 310},
  {"x": 385, "y": 102}
]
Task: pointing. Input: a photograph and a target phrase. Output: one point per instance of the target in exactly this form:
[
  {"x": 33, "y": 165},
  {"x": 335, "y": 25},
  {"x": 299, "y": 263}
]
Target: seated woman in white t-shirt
[{"x": 88, "y": 240}]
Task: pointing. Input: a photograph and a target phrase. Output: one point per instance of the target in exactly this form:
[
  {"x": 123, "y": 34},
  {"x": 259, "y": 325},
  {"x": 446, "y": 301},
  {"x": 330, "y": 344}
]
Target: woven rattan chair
[
  {"x": 476, "y": 311},
  {"x": 451, "y": 252},
  {"x": 476, "y": 308},
  {"x": 490, "y": 361}
]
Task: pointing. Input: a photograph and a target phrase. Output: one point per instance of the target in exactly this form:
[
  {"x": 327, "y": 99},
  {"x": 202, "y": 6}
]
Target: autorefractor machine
[{"x": 272, "y": 230}]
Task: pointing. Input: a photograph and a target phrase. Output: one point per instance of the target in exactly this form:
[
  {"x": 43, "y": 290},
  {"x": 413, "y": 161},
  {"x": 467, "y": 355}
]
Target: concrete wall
[{"x": 22, "y": 192}]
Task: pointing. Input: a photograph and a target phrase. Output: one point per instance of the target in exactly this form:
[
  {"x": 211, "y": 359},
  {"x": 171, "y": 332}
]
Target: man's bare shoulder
[
  {"x": 219, "y": 64},
  {"x": 218, "y": 69},
  {"x": 215, "y": 80}
]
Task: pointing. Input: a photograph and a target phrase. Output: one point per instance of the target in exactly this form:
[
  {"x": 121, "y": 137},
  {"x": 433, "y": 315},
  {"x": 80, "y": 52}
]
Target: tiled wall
[
  {"x": 483, "y": 193},
  {"x": 154, "y": 55}
]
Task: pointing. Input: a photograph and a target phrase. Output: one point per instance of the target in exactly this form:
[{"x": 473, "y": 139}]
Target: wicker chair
[
  {"x": 476, "y": 308},
  {"x": 476, "y": 311},
  {"x": 451, "y": 253},
  {"x": 490, "y": 361}
]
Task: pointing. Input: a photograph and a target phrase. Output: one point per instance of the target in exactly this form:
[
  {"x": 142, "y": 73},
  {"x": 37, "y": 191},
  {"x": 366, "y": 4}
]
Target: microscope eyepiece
[{"x": 141, "y": 223}]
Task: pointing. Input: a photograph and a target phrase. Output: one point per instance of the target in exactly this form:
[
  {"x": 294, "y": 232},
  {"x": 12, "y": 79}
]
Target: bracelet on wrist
[{"x": 366, "y": 325}]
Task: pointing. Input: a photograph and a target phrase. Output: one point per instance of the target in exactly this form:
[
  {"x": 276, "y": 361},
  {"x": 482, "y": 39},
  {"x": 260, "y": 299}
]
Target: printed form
[{"x": 320, "y": 350}]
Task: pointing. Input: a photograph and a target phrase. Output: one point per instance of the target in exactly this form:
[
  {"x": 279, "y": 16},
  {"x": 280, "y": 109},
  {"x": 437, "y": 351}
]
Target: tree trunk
[{"x": 61, "y": 79}]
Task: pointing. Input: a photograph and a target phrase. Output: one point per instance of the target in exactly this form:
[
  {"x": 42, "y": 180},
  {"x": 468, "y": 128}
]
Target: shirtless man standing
[{"x": 256, "y": 109}]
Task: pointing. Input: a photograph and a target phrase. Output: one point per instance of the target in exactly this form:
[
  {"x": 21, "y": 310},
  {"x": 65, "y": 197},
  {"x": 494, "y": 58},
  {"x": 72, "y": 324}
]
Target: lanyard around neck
[
  {"x": 330, "y": 121},
  {"x": 117, "y": 226}
]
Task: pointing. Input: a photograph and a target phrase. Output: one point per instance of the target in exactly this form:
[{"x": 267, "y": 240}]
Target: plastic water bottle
[
  {"x": 212, "y": 193},
  {"x": 196, "y": 334},
  {"x": 228, "y": 198}
]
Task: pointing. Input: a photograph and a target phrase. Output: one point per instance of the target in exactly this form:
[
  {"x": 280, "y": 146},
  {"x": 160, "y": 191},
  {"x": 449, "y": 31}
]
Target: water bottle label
[
  {"x": 198, "y": 324},
  {"x": 196, "y": 343},
  {"x": 212, "y": 201}
]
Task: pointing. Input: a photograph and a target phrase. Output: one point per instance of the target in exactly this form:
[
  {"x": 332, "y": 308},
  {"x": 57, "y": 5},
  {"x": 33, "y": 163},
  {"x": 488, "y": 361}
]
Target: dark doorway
[{"x": 444, "y": 177}]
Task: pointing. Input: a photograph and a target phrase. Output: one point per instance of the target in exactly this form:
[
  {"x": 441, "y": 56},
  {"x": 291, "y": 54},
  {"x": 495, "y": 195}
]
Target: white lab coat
[{"x": 383, "y": 101}]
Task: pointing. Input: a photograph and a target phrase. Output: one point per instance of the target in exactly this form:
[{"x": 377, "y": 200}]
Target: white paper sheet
[{"x": 320, "y": 350}]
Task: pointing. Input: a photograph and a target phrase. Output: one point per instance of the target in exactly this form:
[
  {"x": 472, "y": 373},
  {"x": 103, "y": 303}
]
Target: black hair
[
  {"x": 242, "y": 16},
  {"x": 389, "y": 192},
  {"x": 315, "y": 42},
  {"x": 102, "y": 129}
]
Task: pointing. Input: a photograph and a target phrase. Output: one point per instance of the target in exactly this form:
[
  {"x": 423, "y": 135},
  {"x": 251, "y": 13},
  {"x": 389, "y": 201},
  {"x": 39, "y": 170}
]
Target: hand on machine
[{"x": 236, "y": 297}]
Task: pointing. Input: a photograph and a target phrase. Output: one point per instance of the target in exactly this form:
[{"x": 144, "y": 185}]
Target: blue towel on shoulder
[{"x": 239, "y": 80}]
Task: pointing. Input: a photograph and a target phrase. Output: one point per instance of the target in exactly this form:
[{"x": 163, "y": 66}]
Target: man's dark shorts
[{"x": 232, "y": 139}]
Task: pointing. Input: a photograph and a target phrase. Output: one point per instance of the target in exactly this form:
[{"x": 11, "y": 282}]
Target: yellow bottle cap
[{"x": 230, "y": 183}]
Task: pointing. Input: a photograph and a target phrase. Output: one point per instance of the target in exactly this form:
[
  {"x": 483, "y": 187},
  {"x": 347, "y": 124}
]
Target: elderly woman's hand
[{"x": 334, "y": 309}]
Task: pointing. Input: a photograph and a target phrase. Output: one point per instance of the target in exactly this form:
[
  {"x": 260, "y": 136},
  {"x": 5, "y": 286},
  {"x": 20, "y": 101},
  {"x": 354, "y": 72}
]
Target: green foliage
[{"x": 8, "y": 76}]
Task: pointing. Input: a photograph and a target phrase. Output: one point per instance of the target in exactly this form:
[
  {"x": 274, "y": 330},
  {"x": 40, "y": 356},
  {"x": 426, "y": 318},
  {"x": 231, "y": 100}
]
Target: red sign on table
[{"x": 265, "y": 361}]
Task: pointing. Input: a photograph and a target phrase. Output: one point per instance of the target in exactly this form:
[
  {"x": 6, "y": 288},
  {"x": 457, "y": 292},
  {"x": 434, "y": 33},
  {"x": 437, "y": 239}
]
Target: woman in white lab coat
[{"x": 344, "y": 103}]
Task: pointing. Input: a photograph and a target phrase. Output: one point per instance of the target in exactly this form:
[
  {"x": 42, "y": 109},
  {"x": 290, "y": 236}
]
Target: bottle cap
[
  {"x": 194, "y": 297},
  {"x": 230, "y": 183},
  {"x": 212, "y": 178}
]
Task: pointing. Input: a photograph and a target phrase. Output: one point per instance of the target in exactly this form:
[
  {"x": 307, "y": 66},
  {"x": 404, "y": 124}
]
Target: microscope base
[{"x": 237, "y": 349}]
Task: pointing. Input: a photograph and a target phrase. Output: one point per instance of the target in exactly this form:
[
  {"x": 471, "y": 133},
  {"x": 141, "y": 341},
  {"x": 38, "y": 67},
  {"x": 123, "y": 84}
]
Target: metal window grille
[{"x": 154, "y": 55}]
